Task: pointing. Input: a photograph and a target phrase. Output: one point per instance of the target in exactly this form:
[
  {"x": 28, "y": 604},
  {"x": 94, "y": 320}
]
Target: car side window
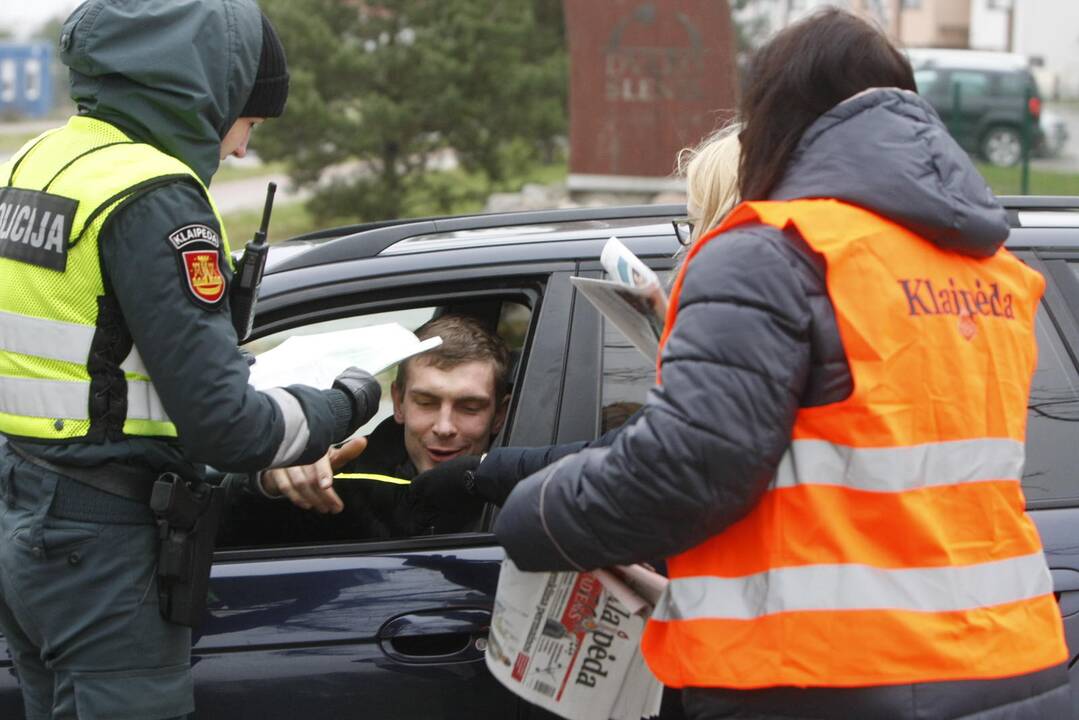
[
  {"x": 971, "y": 84},
  {"x": 437, "y": 409},
  {"x": 1013, "y": 84},
  {"x": 410, "y": 318},
  {"x": 1052, "y": 455},
  {"x": 626, "y": 377},
  {"x": 928, "y": 82}
]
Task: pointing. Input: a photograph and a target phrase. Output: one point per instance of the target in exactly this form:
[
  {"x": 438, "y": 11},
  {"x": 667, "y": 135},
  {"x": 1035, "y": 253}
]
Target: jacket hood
[
  {"x": 886, "y": 150},
  {"x": 174, "y": 73}
]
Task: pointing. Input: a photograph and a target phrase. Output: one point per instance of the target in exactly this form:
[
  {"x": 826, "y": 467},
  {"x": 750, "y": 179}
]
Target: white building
[
  {"x": 1047, "y": 31},
  {"x": 914, "y": 23},
  {"x": 771, "y": 15}
]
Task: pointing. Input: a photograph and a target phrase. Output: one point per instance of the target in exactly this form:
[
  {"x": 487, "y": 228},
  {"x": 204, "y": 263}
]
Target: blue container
[{"x": 25, "y": 79}]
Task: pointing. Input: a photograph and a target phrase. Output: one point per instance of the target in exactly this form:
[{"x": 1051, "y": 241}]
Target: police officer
[{"x": 118, "y": 357}]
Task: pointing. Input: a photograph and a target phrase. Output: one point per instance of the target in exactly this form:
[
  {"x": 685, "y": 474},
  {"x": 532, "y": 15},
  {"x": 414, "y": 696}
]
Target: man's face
[
  {"x": 236, "y": 139},
  {"x": 447, "y": 413}
]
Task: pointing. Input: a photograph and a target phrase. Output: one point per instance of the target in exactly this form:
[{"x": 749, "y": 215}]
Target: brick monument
[{"x": 646, "y": 79}]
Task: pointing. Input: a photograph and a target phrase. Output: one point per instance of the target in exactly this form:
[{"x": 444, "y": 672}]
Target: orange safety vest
[{"x": 892, "y": 545}]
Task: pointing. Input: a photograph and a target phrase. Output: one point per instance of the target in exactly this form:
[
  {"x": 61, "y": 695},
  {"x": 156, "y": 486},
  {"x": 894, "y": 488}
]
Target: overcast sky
[{"x": 21, "y": 17}]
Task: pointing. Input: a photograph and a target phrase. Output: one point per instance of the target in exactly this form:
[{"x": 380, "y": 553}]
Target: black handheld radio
[{"x": 248, "y": 276}]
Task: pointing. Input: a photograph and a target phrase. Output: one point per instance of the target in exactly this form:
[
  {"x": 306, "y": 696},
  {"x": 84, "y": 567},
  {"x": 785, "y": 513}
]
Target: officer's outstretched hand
[
  {"x": 363, "y": 390},
  {"x": 311, "y": 486}
]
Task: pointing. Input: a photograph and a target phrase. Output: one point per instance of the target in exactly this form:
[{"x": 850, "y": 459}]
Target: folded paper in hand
[
  {"x": 570, "y": 642},
  {"x": 317, "y": 359},
  {"x": 632, "y": 299}
]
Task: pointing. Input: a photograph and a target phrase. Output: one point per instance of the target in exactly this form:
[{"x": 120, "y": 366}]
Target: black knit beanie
[{"x": 271, "y": 84}]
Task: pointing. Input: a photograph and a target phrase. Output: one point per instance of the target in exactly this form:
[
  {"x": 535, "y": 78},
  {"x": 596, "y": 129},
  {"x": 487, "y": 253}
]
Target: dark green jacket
[{"x": 175, "y": 74}]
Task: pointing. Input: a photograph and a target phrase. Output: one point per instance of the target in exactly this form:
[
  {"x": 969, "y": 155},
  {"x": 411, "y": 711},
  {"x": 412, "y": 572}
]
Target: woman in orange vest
[{"x": 831, "y": 457}]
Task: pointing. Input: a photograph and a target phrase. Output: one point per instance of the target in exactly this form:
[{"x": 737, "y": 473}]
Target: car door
[
  {"x": 376, "y": 629},
  {"x": 1051, "y": 473},
  {"x": 969, "y": 102},
  {"x": 935, "y": 86}
]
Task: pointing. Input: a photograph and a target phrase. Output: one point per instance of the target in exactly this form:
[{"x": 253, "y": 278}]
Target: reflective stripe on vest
[
  {"x": 861, "y": 587},
  {"x": 891, "y": 545},
  {"x": 900, "y": 468},
  {"x": 45, "y": 398},
  {"x": 69, "y": 400},
  {"x": 48, "y": 318},
  {"x": 56, "y": 339}
]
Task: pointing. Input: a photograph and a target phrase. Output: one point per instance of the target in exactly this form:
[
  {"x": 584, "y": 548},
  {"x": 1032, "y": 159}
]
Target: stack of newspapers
[{"x": 568, "y": 641}]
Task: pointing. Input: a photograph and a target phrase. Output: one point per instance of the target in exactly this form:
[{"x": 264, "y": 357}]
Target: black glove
[
  {"x": 363, "y": 391},
  {"x": 448, "y": 487}
]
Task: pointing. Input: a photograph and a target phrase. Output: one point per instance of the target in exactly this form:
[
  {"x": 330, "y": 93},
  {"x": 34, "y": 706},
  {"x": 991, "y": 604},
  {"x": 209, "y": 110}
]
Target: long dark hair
[{"x": 800, "y": 74}]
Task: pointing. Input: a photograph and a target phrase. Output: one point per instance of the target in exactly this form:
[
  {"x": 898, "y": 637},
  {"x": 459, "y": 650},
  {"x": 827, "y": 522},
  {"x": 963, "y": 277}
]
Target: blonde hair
[{"x": 711, "y": 172}]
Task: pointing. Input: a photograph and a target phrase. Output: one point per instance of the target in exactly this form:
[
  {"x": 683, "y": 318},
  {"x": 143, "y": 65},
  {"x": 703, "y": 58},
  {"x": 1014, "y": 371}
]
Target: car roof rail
[
  {"x": 353, "y": 242},
  {"x": 1038, "y": 202},
  {"x": 1041, "y": 211}
]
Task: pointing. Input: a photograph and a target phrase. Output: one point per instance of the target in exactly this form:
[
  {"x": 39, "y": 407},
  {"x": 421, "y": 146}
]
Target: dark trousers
[{"x": 78, "y": 602}]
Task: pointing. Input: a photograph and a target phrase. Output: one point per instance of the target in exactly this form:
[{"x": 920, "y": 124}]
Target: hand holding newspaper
[
  {"x": 570, "y": 642},
  {"x": 633, "y": 299}
]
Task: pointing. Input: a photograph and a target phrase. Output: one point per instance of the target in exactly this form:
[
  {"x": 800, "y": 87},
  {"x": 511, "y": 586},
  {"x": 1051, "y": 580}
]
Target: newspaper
[
  {"x": 317, "y": 359},
  {"x": 633, "y": 299},
  {"x": 570, "y": 642}
]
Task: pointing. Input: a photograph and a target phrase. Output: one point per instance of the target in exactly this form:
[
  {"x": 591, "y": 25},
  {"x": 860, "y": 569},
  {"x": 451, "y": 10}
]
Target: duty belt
[{"x": 113, "y": 478}]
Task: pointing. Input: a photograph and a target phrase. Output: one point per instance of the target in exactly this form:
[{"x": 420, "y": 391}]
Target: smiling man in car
[
  {"x": 452, "y": 400},
  {"x": 448, "y": 402}
]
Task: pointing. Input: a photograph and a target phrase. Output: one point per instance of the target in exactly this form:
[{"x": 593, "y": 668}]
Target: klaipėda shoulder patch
[{"x": 198, "y": 252}]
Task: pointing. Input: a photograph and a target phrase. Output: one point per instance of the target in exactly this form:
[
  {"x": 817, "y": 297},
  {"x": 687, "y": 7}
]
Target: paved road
[
  {"x": 250, "y": 193},
  {"x": 25, "y": 127},
  {"x": 246, "y": 194},
  {"x": 230, "y": 196}
]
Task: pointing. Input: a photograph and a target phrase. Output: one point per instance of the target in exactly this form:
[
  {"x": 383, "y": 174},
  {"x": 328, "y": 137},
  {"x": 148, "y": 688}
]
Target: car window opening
[{"x": 401, "y": 441}]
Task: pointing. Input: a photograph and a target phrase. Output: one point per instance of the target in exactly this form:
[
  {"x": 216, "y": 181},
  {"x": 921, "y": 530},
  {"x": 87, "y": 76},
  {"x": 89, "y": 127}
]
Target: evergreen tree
[{"x": 380, "y": 89}]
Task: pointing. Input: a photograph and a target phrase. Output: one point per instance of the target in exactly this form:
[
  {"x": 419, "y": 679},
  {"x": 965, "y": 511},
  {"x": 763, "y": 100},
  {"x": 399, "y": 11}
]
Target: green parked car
[{"x": 984, "y": 98}]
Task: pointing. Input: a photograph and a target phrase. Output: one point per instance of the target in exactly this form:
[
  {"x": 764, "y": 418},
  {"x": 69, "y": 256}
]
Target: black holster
[{"x": 187, "y": 515}]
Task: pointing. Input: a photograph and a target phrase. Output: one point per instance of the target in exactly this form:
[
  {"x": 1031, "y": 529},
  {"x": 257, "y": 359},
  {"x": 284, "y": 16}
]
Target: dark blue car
[{"x": 397, "y": 629}]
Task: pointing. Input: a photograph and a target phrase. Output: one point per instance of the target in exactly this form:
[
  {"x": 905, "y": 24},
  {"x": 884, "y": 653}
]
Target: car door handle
[{"x": 446, "y": 635}]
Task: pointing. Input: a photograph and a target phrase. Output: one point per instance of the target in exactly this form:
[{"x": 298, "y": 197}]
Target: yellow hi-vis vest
[
  {"x": 892, "y": 545},
  {"x": 51, "y": 278}
]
